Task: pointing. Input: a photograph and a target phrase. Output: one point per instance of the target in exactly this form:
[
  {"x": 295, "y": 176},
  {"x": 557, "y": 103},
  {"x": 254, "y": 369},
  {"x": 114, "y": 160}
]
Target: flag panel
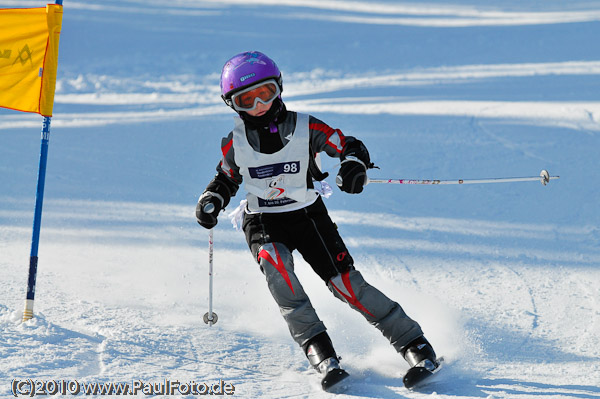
[{"x": 28, "y": 58}]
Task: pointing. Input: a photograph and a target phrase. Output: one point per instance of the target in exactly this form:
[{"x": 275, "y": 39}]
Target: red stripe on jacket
[
  {"x": 329, "y": 131},
  {"x": 225, "y": 149}
]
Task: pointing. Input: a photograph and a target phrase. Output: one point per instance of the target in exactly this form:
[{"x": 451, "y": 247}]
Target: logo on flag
[{"x": 24, "y": 51}]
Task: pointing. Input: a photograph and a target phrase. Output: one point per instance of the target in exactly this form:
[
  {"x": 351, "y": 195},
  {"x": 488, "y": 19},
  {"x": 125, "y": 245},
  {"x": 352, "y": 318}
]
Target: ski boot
[
  {"x": 422, "y": 361},
  {"x": 321, "y": 355}
]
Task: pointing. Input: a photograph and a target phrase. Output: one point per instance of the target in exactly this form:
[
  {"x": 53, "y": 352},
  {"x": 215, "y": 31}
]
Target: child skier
[{"x": 273, "y": 151}]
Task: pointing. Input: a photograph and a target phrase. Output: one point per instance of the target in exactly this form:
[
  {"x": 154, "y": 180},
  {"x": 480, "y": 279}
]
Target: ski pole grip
[{"x": 208, "y": 208}]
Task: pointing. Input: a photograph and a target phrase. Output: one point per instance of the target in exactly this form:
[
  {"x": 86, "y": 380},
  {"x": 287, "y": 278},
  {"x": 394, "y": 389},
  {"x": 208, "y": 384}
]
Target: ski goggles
[{"x": 263, "y": 92}]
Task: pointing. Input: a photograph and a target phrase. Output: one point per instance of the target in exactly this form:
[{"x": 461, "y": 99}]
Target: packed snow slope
[{"x": 504, "y": 278}]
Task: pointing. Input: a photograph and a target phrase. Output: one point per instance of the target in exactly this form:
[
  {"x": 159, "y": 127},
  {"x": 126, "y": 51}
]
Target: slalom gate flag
[{"x": 29, "y": 57}]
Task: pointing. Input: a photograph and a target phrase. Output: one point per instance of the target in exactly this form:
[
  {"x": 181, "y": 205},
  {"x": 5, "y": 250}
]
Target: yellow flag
[{"x": 29, "y": 57}]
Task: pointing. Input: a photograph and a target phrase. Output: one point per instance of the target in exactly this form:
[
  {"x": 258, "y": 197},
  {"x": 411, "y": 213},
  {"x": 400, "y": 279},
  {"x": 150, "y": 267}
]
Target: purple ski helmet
[{"x": 246, "y": 69}]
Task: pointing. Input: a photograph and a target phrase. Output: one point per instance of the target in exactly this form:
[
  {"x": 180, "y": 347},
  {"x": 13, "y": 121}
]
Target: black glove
[
  {"x": 352, "y": 175},
  {"x": 209, "y": 206}
]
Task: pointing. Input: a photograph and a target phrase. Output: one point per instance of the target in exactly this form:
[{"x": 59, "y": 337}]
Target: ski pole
[
  {"x": 210, "y": 317},
  {"x": 544, "y": 178}
]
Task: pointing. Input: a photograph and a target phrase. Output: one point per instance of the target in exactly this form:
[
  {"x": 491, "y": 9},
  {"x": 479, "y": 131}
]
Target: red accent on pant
[
  {"x": 279, "y": 265},
  {"x": 352, "y": 299}
]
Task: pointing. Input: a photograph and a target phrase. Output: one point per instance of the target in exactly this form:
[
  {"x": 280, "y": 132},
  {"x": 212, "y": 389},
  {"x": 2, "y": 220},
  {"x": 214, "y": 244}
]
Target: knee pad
[
  {"x": 348, "y": 286},
  {"x": 276, "y": 260}
]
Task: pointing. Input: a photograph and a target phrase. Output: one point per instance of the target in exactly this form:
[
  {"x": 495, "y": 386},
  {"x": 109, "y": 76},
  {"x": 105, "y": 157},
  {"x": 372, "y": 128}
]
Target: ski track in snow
[
  {"x": 200, "y": 99},
  {"x": 504, "y": 279}
]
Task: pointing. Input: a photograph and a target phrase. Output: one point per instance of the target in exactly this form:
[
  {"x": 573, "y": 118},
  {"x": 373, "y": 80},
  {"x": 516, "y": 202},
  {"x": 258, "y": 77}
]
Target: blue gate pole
[
  {"x": 37, "y": 221},
  {"x": 37, "y": 217}
]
